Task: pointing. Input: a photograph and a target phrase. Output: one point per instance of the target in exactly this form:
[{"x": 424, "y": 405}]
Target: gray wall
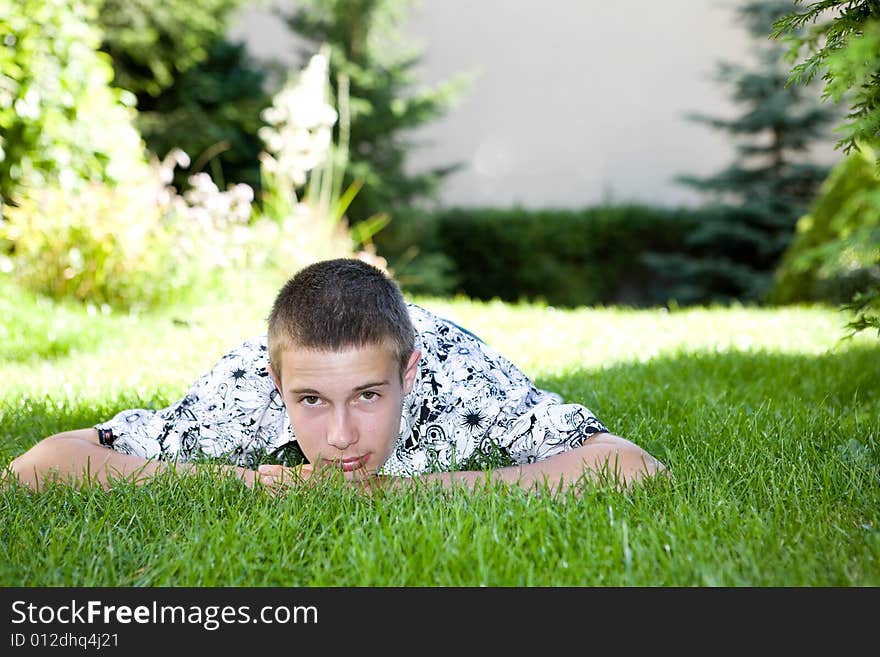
[{"x": 574, "y": 102}]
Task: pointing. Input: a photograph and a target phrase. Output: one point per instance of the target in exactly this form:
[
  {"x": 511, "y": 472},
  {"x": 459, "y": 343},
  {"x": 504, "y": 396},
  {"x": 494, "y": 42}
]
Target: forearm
[
  {"x": 603, "y": 458},
  {"x": 519, "y": 475},
  {"x": 531, "y": 477},
  {"x": 77, "y": 457}
]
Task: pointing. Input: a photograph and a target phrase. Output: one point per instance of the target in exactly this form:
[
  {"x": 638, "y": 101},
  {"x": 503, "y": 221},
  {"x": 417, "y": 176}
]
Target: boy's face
[{"x": 345, "y": 406}]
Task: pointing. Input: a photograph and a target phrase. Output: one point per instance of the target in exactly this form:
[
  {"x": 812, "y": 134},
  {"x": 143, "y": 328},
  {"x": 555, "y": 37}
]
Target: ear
[
  {"x": 275, "y": 379},
  {"x": 409, "y": 374}
]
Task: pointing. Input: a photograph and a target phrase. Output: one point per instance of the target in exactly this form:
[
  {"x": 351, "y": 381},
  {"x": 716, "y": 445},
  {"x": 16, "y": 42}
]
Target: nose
[{"x": 341, "y": 431}]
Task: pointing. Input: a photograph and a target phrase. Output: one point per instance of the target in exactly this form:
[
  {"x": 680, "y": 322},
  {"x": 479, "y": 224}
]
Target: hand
[{"x": 279, "y": 478}]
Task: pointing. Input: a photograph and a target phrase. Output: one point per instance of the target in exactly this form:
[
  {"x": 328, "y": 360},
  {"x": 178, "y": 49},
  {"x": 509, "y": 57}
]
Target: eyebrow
[{"x": 312, "y": 391}]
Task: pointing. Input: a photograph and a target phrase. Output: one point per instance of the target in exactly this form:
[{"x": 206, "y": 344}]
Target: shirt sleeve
[
  {"x": 527, "y": 424},
  {"x": 233, "y": 412},
  {"x": 543, "y": 429},
  {"x": 469, "y": 402}
]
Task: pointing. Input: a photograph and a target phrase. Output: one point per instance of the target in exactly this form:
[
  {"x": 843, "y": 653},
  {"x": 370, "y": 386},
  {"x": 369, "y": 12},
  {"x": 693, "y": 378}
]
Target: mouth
[{"x": 351, "y": 463}]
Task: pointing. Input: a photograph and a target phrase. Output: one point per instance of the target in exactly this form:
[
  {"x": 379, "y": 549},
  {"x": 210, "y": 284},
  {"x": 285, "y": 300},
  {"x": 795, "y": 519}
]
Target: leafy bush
[
  {"x": 836, "y": 251},
  {"x": 132, "y": 245},
  {"x": 844, "y": 40},
  {"x": 60, "y": 120},
  {"x": 565, "y": 257},
  {"x": 139, "y": 243}
]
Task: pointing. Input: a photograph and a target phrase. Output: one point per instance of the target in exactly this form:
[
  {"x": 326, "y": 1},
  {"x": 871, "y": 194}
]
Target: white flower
[{"x": 300, "y": 122}]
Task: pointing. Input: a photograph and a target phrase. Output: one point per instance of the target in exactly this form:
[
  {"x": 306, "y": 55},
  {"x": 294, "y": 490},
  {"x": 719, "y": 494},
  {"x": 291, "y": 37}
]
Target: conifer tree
[
  {"x": 754, "y": 203},
  {"x": 195, "y": 90},
  {"x": 842, "y": 42},
  {"x": 212, "y": 112},
  {"x": 152, "y": 43}
]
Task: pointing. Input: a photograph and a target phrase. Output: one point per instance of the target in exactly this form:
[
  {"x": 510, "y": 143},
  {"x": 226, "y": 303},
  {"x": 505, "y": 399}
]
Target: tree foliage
[
  {"x": 840, "y": 42},
  {"x": 152, "y": 43},
  {"x": 755, "y": 202},
  {"x": 61, "y": 121}
]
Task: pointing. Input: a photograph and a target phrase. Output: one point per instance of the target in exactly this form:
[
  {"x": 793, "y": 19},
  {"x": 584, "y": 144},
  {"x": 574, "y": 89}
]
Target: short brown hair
[{"x": 337, "y": 304}]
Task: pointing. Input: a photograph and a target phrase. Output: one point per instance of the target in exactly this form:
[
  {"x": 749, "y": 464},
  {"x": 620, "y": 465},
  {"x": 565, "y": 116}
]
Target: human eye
[
  {"x": 369, "y": 395},
  {"x": 310, "y": 400}
]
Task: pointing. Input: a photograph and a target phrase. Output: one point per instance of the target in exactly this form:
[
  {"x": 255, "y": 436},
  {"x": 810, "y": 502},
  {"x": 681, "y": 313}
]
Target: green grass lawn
[{"x": 768, "y": 420}]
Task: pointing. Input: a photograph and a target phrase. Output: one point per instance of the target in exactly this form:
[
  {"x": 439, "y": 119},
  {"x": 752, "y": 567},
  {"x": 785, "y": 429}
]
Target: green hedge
[{"x": 564, "y": 257}]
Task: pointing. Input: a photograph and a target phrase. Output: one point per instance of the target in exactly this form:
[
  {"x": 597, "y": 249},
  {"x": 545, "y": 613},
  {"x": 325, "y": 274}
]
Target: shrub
[
  {"x": 60, "y": 120},
  {"x": 128, "y": 246},
  {"x": 836, "y": 250}
]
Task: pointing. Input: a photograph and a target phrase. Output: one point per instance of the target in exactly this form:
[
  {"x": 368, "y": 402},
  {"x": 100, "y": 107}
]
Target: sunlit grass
[
  {"x": 769, "y": 421},
  {"x": 548, "y": 339}
]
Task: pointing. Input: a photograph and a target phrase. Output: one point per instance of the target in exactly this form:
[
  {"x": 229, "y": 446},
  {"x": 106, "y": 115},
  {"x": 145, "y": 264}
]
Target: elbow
[
  {"x": 23, "y": 470},
  {"x": 32, "y": 467},
  {"x": 29, "y": 467}
]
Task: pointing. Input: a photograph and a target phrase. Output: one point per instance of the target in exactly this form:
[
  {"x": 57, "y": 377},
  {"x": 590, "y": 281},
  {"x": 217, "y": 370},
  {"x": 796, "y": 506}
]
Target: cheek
[
  {"x": 309, "y": 433},
  {"x": 382, "y": 427}
]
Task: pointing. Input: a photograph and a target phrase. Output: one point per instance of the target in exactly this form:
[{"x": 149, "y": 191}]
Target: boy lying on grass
[{"x": 361, "y": 384}]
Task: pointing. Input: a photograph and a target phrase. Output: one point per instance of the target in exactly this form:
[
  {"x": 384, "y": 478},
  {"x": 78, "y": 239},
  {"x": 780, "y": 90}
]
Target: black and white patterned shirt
[{"x": 467, "y": 400}]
